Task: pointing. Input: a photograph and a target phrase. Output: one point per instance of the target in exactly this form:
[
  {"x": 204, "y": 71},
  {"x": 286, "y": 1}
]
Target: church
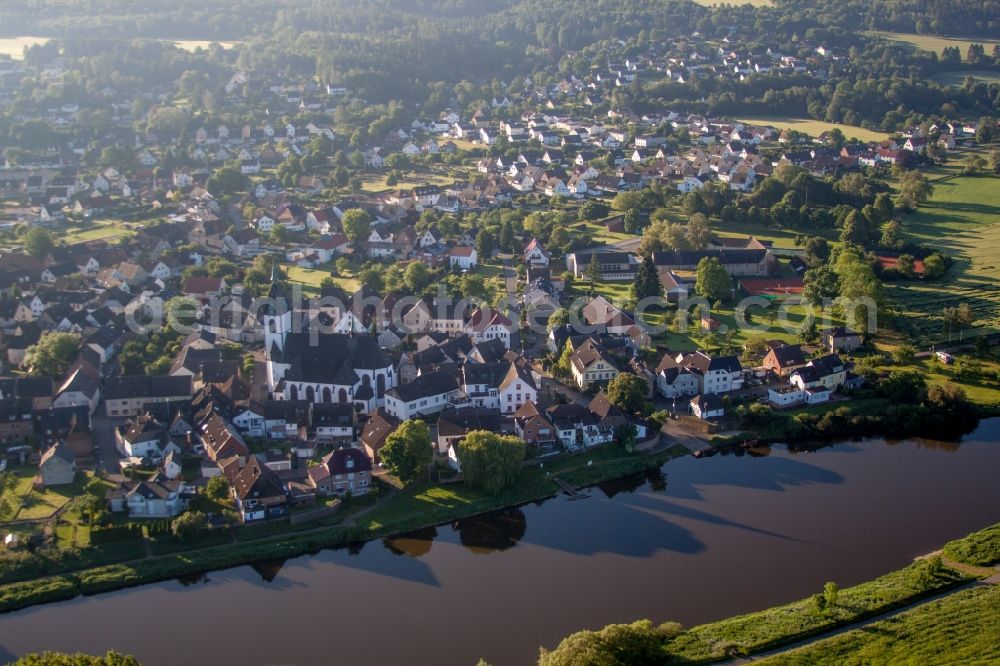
[{"x": 324, "y": 367}]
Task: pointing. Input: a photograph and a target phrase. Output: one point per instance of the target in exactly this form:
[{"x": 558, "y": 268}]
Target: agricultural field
[
  {"x": 957, "y": 78},
  {"x": 815, "y": 127},
  {"x": 14, "y": 46},
  {"x": 962, "y": 218},
  {"x": 963, "y": 628},
  {"x": 934, "y": 43}
]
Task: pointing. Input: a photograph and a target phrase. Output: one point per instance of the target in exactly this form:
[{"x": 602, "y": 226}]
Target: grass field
[
  {"x": 100, "y": 230},
  {"x": 963, "y": 628},
  {"x": 815, "y": 127},
  {"x": 377, "y": 184},
  {"x": 963, "y": 220},
  {"x": 14, "y": 46},
  {"x": 957, "y": 78},
  {"x": 311, "y": 278},
  {"x": 936, "y": 44},
  {"x": 759, "y": 631}
]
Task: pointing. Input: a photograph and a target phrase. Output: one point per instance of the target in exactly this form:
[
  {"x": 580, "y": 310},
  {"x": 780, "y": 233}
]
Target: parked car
[{"x": 945, "y": 357}]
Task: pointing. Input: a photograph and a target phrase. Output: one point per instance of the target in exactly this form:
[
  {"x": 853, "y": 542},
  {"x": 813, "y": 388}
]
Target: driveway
[{"x": 103, "y": 429}]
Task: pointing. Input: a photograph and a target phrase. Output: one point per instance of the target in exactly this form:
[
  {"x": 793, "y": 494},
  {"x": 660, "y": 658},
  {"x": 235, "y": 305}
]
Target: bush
[{"x": 190, "y": 526}]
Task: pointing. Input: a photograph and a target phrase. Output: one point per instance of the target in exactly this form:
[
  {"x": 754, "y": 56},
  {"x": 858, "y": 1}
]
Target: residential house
[
  {"x": 343, "y": 471},
  {"x": 57, "y": 466}
]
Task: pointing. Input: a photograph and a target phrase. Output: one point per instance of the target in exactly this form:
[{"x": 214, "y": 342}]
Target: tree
[
  {"x": 217, "y": 488},
  {"x": 903, "y": 387},
  {"x": 37, "y": 242},
  {"x": 226, "y": 180},
  {"x": 189, "y": 526},
  {"x": 647, "y": 280},
  {"x": 563, "y": 367},
  {"x": 994, "y": 161},
  {"x": 417, "y": 276},
  {"x": 860, "y": 293},
  {"x": 892, "y": 235},
  {"x": 559, "y": 317},
  {"x": 111, "y": 658},
  {"x": 615, "y": 645},
  {"x": 830, "y": 592},
  {"x": 357, "y": 225},
  {"x": 507, "y": 237},
  {"x": 934, "y": 266},
  {"x": 712, "y": 280},
  {"x": 699, "y": 232},
  {"x": 280, "y": 235},
  {"x": 913, "y": 189},
  {"x": 904, "y": 354},
  {"x": 857, "y": 229},
  {"x": 594, "y": 267},
  {"x": 51, "y": 355},
  {"x": 490, "y": 460},
  {"x": 817, "y": 251},
  {"x": 180, "y": 312},
  {"x": 408, "y": 450},
  {"x": 633, "y": 221},
  {"x": 808, "y": 332},
  {"x": 965, "y": 317},
  {"x": 627, "y": 392},
  {"x": 485, "y": 244},
  {"x": 973, "y": 164},
  {"x": 906, "y": 265}
]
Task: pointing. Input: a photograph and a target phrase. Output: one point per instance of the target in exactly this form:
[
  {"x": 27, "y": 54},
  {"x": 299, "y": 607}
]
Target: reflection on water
[
  {"x": 638, "y": 547},
  {"x": 492, "y": 532},
  {"x": 268, "y": 569},
  {"x": 192, "y": 579},
  {"x": 633, "y": 482},
  {"x": 415, "y": 544}
]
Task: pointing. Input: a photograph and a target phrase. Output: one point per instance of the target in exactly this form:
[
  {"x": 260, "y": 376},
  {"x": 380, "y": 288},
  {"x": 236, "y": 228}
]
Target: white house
[{"x": 463, "y": 258}]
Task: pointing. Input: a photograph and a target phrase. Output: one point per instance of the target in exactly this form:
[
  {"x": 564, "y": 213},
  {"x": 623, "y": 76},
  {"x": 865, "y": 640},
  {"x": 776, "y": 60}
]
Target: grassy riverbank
[
  {"x": 963, "y": 628},
  {"x": 413, "y": 508},
  {"x": 784, "y": 625}
]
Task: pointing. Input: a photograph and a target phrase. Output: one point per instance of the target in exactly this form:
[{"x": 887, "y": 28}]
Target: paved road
[{"x": 510, "y": 283}]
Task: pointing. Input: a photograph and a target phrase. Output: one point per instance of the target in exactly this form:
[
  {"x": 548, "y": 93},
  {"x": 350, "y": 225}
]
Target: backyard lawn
[
  {"x": 311, "y": 278},
  {"x": 100, "y": 230}
]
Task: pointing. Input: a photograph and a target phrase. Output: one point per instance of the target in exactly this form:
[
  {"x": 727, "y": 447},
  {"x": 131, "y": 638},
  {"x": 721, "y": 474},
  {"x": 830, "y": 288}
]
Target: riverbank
[
  {"x": 414, "y": 508},
  {"x": 765, "y": 630}
]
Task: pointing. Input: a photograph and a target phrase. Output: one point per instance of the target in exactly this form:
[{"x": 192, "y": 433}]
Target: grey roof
[
  {"x": 141, "y": 386},
  {"x": 332, "y": 359},
  {"x": 432, "y": 383}
]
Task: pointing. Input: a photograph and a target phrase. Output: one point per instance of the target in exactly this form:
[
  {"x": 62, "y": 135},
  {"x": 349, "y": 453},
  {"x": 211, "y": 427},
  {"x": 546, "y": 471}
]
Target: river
[{"x": 706, "y": 539}]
